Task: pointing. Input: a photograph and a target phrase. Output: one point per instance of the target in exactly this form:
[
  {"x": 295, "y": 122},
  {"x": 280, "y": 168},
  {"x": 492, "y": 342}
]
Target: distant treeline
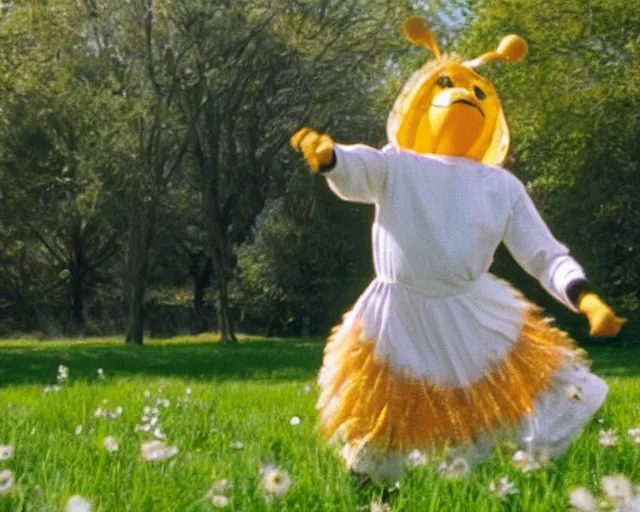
[{"x": 147, "y": 186}]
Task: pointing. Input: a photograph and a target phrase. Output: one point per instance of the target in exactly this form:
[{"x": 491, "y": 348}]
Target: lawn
[{"x": 229, "y": 410}]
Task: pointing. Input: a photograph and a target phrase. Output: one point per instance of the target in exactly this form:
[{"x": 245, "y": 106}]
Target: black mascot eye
[
  {"x": 445, "y": 82},
  {"x": 479, "y": 93}
]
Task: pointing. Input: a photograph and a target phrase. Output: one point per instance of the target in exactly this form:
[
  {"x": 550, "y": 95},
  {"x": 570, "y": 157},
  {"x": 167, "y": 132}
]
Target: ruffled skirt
[{"x": 409, "y": 370}]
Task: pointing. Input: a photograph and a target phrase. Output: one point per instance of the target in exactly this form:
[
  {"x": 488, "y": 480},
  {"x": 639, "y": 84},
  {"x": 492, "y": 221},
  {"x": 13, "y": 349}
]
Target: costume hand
[
  {"x": 602, "y": 319},
  {"x": 316, "y": 148}
]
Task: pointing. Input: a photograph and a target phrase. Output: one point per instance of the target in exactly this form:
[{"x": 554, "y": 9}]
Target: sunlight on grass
[{"x": 231, "y": 410}]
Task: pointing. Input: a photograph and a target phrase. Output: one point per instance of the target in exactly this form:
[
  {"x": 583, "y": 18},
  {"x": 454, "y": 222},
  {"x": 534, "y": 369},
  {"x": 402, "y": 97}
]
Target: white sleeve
[
  {"x": 537, "y": 251},
  {"x": 359, "y": 174}
]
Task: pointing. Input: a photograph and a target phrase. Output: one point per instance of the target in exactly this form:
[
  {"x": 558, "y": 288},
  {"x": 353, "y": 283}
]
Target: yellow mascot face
[{"x": 447, "y": 108}]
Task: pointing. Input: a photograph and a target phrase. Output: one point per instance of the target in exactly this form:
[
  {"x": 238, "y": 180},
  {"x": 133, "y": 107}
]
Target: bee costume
[{"x": 437, "y": 353}]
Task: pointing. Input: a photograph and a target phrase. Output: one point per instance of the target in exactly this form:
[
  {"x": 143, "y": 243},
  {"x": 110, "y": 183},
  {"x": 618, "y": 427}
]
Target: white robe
[{"x": 433, "y": 310}]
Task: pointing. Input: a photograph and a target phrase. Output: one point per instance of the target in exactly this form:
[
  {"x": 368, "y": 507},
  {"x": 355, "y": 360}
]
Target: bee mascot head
[{"x": 447, "y": 108}]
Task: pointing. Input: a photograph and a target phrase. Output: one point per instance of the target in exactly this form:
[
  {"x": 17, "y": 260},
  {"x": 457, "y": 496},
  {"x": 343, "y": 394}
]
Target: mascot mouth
[{"x": 465, "y": 102}]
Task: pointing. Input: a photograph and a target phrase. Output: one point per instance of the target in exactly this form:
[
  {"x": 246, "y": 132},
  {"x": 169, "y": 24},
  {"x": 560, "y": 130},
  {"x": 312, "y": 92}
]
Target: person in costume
[{"x": 438, "y": 354}]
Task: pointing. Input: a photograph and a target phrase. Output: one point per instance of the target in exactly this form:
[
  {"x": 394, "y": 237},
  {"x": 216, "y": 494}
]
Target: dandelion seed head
[
  {"x": 582, "y": 499},
  {"x": 111, "y": 444},
  {"x": 276, "y": 481},
  {"x": 617, "y": 488},
  {"x": 78, "y": 504},
  {"x": 295, "y": 421}
]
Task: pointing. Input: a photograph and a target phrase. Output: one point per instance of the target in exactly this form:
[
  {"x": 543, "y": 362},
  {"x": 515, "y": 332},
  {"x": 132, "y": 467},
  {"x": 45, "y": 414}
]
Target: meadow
[{"x": 230, "y": 411}]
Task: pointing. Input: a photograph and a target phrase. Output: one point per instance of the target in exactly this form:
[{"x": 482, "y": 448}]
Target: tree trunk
[
  {"x": 135, "y": 324},
  {"x": 225, "y": 325},
  {"x": 202, "y": 280},
  {"x": 77, "y": 303},
  {"x": 141, "y": 224},
  {"x": 77, "y": 283}
]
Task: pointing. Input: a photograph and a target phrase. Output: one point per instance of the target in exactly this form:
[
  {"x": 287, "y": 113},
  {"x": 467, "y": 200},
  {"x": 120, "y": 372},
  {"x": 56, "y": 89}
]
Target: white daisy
[
  {"x": 417, "y": 458},
  {"x": 635, "y": 434},
  {"x": 7, "y": 481},
  {"x": 63, "y": 374},
  {"x": 525, "y": 461},
  {"x": 147, "y": 393},
  {"x": 219, "y": 501},
  {"x": 295, "y": 421},
  {"x": 111, "y": 444},
  {"x": 6, "y": 451},
  {"x": 188, "y": 391},
  {"x": 582, "y": 499},
  {"x": 78, "y": 430},
  {"x": 157, "y": 451},
  {"x": 503, "y": 487},
  {"x": 100, "y": 413},
  {"x": 608, "y": 437},
  {"x": 307, "y": 388},
  {"x": 78, "y": 504},
  {"x": 275, "y": 481}
]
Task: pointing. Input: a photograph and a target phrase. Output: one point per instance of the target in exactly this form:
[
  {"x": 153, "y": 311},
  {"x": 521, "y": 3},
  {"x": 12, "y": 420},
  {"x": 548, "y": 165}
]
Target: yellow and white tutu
[{"x": 437, "y": 353}]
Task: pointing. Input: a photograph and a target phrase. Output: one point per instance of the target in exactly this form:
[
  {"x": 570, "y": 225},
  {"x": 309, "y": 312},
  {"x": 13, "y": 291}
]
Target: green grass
[{"x": 245, "y": 393}]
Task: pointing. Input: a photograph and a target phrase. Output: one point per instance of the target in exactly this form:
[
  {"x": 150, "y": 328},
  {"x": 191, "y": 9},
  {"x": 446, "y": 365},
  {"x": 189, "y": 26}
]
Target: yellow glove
[
  {"x": 603, "y": 321},
  {"x": 316, "y": 148}
]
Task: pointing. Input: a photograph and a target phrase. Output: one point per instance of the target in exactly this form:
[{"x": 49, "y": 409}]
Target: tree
[{"x": 53, "y": 114}]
